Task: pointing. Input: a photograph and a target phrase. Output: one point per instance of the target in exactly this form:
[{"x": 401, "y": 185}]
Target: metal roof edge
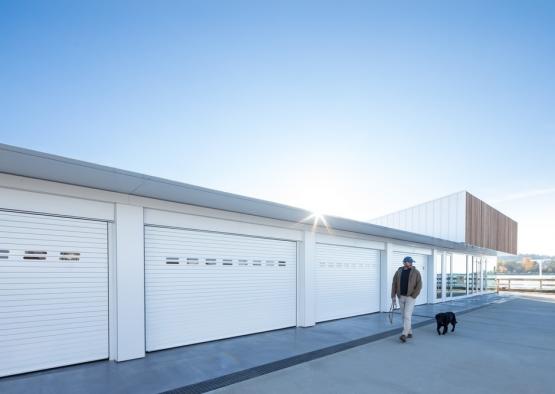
[{"x": 39, "y": 165}]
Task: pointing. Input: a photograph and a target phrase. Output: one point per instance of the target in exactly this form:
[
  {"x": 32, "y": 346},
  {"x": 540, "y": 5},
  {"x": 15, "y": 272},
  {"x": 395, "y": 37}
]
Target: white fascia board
[
  {"x": 178, "y": 208},
  {"x": 410, "y": 249},
  {"x": 348, "y": 241},
  {"x": 19, "y": 200},
  {"x": 338, "y": 225},
  {"x": 43, "y": 188},
  {"x": 23, "y": 183},
  {"x": 171, "y": 219}
]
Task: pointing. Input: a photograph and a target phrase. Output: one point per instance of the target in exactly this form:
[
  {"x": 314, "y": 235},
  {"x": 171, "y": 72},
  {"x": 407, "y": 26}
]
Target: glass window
[
  {"x": 458, "y": 275},
  {"x": 473, "y": 263}
]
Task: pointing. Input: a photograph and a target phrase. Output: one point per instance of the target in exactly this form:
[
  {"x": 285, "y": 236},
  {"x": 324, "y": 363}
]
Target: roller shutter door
[
  {"x": 53, "y": 292},
  {"x": 420, "y": 262},
  {"x": 203, "y": 286},
  {"x": 347, "y": 281}
]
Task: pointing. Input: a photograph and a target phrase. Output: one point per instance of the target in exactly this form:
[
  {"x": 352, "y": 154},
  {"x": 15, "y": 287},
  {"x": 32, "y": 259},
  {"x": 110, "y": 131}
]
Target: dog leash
[{"x": 390, "y": 313}]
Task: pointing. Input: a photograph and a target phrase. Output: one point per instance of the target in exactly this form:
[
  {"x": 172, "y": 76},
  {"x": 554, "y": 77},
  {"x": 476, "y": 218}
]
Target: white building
[{"x": 99, "y": 263}]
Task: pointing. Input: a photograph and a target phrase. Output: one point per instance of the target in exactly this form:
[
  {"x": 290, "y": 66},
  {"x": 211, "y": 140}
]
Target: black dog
[{"x": 443, "y": 319}]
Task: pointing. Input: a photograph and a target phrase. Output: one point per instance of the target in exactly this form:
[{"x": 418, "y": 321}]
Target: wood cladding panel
[{"x": 489, "y": 228}]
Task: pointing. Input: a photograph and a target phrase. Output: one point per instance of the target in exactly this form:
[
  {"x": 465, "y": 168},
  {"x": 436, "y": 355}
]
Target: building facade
[
  {"x": 99, "y": 263},
  {"x": 459, "y": 217}
]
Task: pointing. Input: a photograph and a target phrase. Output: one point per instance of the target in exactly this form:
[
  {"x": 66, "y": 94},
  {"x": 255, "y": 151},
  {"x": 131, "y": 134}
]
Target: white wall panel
[
  {"x": 402, "y": 219},
  {"x": 437, "y": 217},
  {"x": 461, "y": 216}
]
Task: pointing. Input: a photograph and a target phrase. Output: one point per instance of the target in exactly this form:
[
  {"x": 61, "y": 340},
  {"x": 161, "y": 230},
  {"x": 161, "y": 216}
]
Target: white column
[
  {"x": 435, "y": 271},
  {"x": 306, "y": 287},
  {"x": 482, "y": 272},
  {"x": 112, "y": 304},
  {"x": 129, "y": 282},
  {"x": 431, "y": 276},
  {"x": 385, "y": 277},
  {"x": 444, "y": 276},
  {"x": 468, "y": 267}
]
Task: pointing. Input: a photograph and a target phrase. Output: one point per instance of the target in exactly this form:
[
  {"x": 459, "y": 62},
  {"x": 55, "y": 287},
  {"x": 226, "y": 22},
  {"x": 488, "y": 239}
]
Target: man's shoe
[
  {"x": 409, "y": 336},
  {"x": 403, "y": 338}
]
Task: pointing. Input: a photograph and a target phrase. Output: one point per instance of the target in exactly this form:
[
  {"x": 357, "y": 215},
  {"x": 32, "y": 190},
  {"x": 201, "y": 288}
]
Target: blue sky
[{"x": 353, "y": 108}]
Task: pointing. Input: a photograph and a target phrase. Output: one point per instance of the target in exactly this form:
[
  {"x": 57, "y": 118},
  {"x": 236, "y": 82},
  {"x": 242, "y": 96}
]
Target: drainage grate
[{"x": 236, "y": 377}]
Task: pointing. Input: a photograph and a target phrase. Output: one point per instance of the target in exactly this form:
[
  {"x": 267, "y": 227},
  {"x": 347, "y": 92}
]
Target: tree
[
  {"x": 548, "y": 267},
  {"x": 529, "y": 266},
  {"x": 509, "y": 267}
]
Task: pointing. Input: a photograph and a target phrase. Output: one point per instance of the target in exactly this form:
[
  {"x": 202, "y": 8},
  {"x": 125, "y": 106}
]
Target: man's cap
[{"x": 408, "y": 259}]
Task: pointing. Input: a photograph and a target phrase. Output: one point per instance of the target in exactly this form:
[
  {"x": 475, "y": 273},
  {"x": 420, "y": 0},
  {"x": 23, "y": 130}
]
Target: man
[{"x": 406, "y": 285}]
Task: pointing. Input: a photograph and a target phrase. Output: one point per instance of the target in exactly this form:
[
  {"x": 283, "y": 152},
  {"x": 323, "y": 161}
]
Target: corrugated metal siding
[
  {"x": 203, "y": 286},
  {"x": 53, "y": 292},
  {"x": 347, "y": 281},
  {"x": 442, "y": 218}
]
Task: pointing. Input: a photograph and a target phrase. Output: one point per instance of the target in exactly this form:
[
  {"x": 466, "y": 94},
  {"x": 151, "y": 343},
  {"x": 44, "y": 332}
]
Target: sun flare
[{"x": 316, "y": 218}]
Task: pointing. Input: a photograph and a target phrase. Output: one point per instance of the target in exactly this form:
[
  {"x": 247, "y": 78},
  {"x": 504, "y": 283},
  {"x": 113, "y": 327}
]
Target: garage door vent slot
[
  {"x": 35, "y": 255},
  {"x": 70, "y": 256},
  {"x": 282, "y": 263},
  {"x": 172, "y": 260},
  {"x": 243, "y": 262},
  {"x": 210, "y": 261},
  {"x": 257, "y": 263},
  {"x": 192, "y": 261},
  {"x": 4, "y": 253},
  {"x": 227, "y": 262}
]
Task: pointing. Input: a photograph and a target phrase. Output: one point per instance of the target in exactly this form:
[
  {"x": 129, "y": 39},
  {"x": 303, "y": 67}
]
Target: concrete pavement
[{"x": 502, "y": 348}]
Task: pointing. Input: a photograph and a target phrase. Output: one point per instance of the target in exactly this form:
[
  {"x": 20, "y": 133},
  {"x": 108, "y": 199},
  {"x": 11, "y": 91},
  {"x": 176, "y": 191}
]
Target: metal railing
[{"x": 525, "y": 284}]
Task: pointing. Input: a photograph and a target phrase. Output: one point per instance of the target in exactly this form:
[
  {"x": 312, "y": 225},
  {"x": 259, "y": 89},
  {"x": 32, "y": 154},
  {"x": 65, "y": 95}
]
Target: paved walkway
[
  {"x": 503, "y": 348},
  {"x": 189, "y": 365}
]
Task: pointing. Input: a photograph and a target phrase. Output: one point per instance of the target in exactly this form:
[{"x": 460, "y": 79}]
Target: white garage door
[
  {"x": 347, "y": 281},
  {"x": 420, "y": 262},
  {"x": 53, "y": 292},
  {"x": 202, "y": 286}
]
